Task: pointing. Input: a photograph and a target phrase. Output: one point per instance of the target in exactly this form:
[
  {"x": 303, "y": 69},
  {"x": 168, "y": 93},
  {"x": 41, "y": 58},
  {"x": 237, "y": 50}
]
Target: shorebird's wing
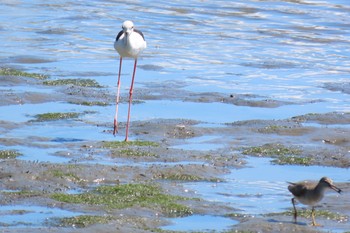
[
  {"x": 297, "y": 189},
  {"x": 119, "y": 35},
  {"x": 139, "y": 32}
]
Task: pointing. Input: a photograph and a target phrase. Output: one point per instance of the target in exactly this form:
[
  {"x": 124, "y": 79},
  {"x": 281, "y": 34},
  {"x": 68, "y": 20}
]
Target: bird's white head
[{"x": 128, "y": 27}]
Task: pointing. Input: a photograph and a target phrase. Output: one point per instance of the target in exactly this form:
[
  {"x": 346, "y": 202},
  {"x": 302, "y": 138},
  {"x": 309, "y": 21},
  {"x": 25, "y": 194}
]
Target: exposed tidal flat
[{"x": 223, "y": 115}]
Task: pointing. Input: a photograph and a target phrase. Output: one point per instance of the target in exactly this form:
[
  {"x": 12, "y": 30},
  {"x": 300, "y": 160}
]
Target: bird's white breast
[{"x": 130, "y": 46}]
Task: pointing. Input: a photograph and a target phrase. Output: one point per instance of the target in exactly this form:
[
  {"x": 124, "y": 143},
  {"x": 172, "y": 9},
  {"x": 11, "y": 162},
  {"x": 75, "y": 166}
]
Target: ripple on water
[
  {"x": 200, "y": 223},
  {"x": 223, "y": 113},
  {"x": 203, "y": 143}
]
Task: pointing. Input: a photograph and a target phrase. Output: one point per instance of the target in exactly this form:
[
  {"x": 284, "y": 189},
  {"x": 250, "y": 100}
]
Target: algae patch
[
  {"x": 65, "y": 175},
  {"x": 22, "y": 193},
  {"x": 130, "y": 148},
  {"x": 129, "y": 195},
  {"x": 306, "y": 213},
  {"x": 282, "y": 155},
  {"x": 14, "y": 72},
  {"x": 135, "y": 153},
  {"x": 184, "y": 177},
  {"x": 75, "y": 82},
  {"x": 267, "y": 150},
  {"x": 288, "y": 160},
  {"x": 51, "y": 116},
  {"x": 82, "y": 221},
  {"x": 91, "y": 103},
  {"x": 9, "y": 154},
  {"x": 119, "y": 144}
]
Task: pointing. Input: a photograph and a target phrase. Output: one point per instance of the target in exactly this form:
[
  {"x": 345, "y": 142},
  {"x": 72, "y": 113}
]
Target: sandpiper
[{"x": 310, "y": 193}]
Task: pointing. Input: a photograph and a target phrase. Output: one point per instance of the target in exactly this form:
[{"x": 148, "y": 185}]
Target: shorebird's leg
[
  {"x": 115, "y": 130},
  {"x": 313, "y": 217},
  {"x": 295, "y": 211},
  {"x": 130, "y": 100}
]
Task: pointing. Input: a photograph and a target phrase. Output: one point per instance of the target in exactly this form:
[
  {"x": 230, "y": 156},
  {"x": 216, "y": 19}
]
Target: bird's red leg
[
  {"x": 117, "y": 100},
  {"x": 130, "y": 100}
]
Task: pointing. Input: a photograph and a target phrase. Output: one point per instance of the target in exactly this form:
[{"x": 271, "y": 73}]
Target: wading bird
[
  {"x": 310, "y": 193},
  {"x": 130, "y": 42}
]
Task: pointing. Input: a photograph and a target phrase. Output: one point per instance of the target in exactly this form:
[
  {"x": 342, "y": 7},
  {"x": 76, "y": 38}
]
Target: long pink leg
[
  {"x": 117, "y": 100},
  {"x": 130, "y": 100}
]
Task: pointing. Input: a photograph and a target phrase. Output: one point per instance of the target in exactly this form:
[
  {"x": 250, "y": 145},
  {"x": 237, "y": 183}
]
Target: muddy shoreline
[{"x": 314, "y": 139}]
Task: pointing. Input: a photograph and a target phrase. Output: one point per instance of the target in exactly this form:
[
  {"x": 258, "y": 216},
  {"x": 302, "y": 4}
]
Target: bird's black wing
[
  {"x": 119, "y": 35},
  {"x": 139, "y": 32}
]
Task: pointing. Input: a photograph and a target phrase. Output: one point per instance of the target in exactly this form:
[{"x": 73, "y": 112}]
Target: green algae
[
  {"x": 180, "y": 177},
  {"x": 19, "y": 73},
  {"x": 306, "y": 213},
  {"x": 268, "y": 150},
  {"x": 82, "y": 221},
  {"x": 9, "y": 154},
  {"x": 51, "y": 116},
  {"x": 290, "y": 160},
  {"x": 23, "y": 193},
  {"x": 120, "y": 144},
  {"x": 130, "y": 148},
  {"x": 75, "y": 82},
  {"x": 65, "y": 175},
  {"x": 128, "y": 195},
  {"x": 91, "y": 103},
  {"x": 136, "y": 153},
  {"x": 184, "y": 177},
  {"x": 282, "y": 155}
]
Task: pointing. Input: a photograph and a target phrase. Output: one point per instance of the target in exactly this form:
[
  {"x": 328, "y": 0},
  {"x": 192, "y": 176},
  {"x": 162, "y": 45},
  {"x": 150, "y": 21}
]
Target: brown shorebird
[{"x": 310, "y": 193}]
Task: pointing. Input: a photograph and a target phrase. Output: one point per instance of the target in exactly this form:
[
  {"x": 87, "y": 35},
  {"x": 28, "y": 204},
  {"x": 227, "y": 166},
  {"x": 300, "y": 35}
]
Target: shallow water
[
  {"x": 282, "y": 50},
  {"x": 30, "y": 216},
  {"x": 200, "y": 223},
  {"x": 256, "y": 189},
  {"x": 285, "y": 49}
]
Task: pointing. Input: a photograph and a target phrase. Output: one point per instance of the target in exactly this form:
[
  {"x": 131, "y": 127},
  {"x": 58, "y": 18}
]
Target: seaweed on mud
[
  {"x": 91, "y": 103},
  {"x": 23, "y": 193},
  {"x": 271, "y": 149},
  {"x": 81, "y": 221},
  {"x": 282, "y": 155},
  {"x": 289, "y": 160},
  {"x": 184, "y": 177},
  {"x": 51, "y": 116},
  {"x": 120, "y": 144},
  {"x": 19, "y": 73},
  {"x": 9, "y": 154},
  {"x": 136, "y": 153},
  {"x": 65, "y": 175},
  {"x": 324, "y": 118},
  {"x": 129, "y": 195},
  {"x": 75, "y": 82},
  {"x": 306, "y": 213},
  {"x": 130, "y": 148}
]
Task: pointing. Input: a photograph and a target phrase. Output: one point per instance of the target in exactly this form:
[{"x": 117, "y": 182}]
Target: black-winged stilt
[
  {"x": 309, "y": 193},
  {"x": 130, "y": 42}
]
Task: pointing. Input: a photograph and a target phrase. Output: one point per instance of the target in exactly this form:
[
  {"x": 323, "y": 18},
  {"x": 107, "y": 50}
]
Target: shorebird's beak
[{"x": 338, "y": 190}]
